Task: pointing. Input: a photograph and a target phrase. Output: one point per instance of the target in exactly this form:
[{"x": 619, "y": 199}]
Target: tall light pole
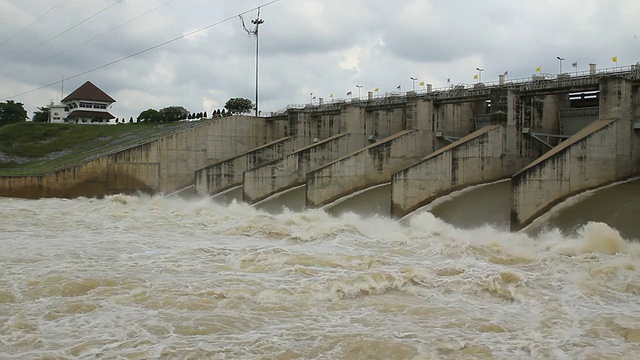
[
  {"x": 359, "y": 87},
  {"x": 257, "y": 22},
  {"x": 414, "y": 82},
  {"x": 560, "y": 59},
  {"x": 480, "y": 70}
]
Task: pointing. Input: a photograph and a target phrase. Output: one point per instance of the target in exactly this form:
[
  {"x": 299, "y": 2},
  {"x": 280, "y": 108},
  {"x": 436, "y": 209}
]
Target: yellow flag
[
  {"x": 539, "y": 68},
  {"x": 376, "y": 89},
  {"x": 475, "y": 76},
  {"x": 614, "y": 59},
  {"x": 421, "y": 83},
  {"x": 331, "y": 95}
]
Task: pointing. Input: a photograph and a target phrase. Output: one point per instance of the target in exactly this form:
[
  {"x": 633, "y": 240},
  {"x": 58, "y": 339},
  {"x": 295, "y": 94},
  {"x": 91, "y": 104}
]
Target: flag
[
  {"x": 376, "y": 89},
  {"x": 614, "y": 59},
  {"x": 539, "y": 68},
  {"x": 421, "y": 83},
  {"x": 475, "y": 76},
  {"x": 506, "y": 73},
  {"x": 314, "y": 98},
  {"x": 398, "y": 87},
  {"x": 448, "y": 80},
  {"x": 574, "y": 64},
  {"x": 349, "y": 93},
  {"x": 331, "y": 95}
]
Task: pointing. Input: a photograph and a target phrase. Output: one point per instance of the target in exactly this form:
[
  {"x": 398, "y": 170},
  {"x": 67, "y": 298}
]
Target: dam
[{"x": 546, "y": 138}]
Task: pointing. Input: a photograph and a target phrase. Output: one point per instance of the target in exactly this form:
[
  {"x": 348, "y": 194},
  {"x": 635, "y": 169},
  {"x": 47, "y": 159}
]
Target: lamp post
[
  {"x": 414, "y": 82},
  {"x": 257, "y": 22},
  {"x": 560, "y": 59},
  {"x": 359, "y": 87},
  {"x": 311, "y": 98},
  {"x": 480, "y": 70}
]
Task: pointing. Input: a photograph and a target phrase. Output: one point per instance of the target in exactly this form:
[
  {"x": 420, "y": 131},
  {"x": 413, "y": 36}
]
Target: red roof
[
  {"x": 88, "y": 114},
  {"x": 88, "y": 91}
]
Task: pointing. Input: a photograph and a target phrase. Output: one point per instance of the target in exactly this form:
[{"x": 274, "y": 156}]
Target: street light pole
[
  {"x": 359, "y": 86},
  {"x": 480, "y": 74},
  {"x": 414, "y": 82},
  {"x": 257, "y": 22},
  {"x": 560, "y": 59}
]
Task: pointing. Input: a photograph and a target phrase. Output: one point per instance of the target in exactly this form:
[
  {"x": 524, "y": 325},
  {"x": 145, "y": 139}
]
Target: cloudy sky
[{"x": 196, "y": 54}]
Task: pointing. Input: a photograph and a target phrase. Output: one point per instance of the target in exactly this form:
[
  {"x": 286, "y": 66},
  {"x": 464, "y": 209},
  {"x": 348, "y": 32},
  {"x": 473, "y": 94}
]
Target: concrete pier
[
  {"x": 292, "y": 169},
  {"x": 603, "y": 152},
  {"x": 229, "y": 173},
  {"x": 370, "y": 166}
]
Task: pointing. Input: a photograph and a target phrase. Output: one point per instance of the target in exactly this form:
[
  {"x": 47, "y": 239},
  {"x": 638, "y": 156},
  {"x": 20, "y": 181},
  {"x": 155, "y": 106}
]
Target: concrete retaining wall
[
  {"x": 227, "y": 174},
  {"x": 456, "y": 119},
  {"x": 595, "y": 156},
  {"x": 382, "y": 122},
  {"x": 477, "y": 158},
  {"x": 233, "y": 135},
  {"x": 313, "y": 124},
  {"x": 292, "y": 169},
  {"x": 164, "y": 165},
  {"x": 367, "y": 167}
]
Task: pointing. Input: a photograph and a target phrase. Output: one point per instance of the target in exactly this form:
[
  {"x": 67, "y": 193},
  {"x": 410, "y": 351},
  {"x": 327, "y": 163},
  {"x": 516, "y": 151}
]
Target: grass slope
[{"x": 41, "y": 145}]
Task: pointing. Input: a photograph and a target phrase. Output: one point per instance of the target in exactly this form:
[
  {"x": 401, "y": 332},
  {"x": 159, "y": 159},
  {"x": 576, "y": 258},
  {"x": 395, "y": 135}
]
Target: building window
[
  {"x": 99, "y": 106},
  {"x": 86, "y": 105}
]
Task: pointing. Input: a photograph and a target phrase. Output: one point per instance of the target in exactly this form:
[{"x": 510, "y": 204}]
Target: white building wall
[{"x": 57, "y": 114}]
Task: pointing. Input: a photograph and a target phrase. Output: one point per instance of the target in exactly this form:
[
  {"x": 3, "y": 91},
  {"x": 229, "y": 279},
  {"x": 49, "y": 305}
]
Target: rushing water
[{"x": 129, "y": 277}]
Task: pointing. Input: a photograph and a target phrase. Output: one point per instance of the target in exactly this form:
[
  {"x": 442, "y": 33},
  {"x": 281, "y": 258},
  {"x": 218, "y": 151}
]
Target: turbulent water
[{"x": 128, "y": 277}]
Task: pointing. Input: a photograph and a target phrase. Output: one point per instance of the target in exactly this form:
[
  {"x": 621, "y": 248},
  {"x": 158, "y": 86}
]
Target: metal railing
[{"x": 544, "y": 81}]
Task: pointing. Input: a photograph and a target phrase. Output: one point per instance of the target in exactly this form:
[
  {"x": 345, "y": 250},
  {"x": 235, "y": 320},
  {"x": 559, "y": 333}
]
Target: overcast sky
[{"x": 305, "y": 46}]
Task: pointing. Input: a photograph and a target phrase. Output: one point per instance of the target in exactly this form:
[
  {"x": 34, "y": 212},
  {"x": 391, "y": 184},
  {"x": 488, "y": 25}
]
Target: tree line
[{"x": 12, "y": 112}]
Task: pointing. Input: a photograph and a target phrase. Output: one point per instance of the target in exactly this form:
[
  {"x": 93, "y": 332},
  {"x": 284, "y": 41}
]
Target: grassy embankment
[{"x": 37, "y": 147}]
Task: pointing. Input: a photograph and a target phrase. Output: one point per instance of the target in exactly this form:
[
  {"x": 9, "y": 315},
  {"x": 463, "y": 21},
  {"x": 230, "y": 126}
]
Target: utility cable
[
  {"x": 145, "y": 50},
  {"x": 64, "y": 32},
  {"x": 34, "y": 22}
]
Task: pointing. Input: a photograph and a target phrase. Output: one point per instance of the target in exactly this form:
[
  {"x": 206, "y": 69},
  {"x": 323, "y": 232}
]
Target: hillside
[{"x": 37, "y": 147}]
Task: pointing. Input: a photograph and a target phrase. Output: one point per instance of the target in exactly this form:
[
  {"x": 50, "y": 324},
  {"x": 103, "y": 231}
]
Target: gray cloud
[{"x": 306, "y": 46}]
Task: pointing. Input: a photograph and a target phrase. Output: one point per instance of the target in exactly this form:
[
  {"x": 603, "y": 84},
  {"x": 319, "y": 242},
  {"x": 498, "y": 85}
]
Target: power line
[
  {"x": 145, "y": 50},
  {"x": 34, "y": 22},
  {"x": 64, "y": 32},
  {"x": 93, "y": 38}
]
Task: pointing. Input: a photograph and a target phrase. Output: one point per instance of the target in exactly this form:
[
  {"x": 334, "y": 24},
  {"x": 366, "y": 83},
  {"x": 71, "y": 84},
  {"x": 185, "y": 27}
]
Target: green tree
[
  {"x": 174, "y": 113},
  {"x": 42, "y": 115},
  {"x": 12, "y": 112},
  {"x": 150, "y": 115},
  {"x": 238, "y": 105}
]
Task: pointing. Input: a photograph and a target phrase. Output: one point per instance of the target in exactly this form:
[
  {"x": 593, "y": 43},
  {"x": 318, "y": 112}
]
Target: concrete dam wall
[{"x": 544, "y": 134}]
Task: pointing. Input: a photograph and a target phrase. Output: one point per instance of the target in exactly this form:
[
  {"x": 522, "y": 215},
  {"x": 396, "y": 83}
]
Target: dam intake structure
[{"x": 552, "y": 137}]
